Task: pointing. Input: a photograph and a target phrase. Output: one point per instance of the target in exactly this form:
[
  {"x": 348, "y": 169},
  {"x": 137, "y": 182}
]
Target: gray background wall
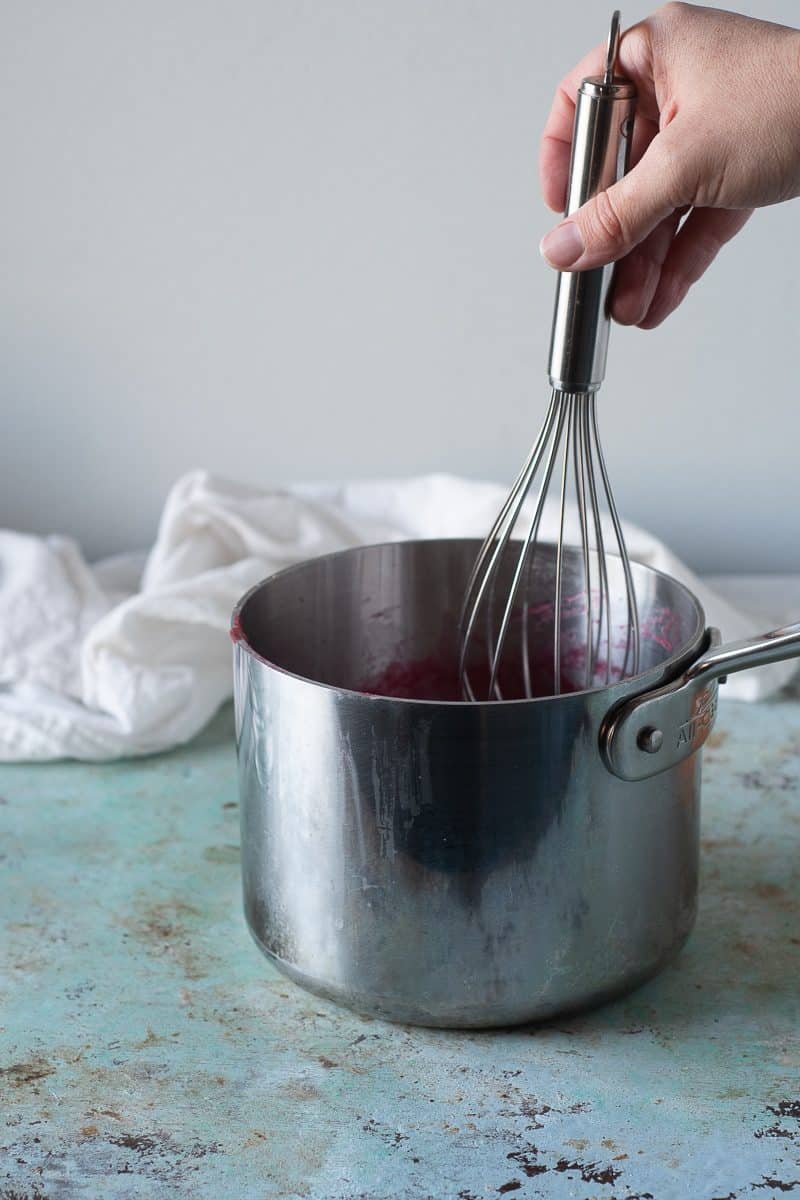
[{"x": 298, "y": 239}]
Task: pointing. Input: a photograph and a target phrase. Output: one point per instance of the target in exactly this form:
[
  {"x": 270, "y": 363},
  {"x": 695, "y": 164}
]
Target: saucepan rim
[{"x": 663, "y": 672}]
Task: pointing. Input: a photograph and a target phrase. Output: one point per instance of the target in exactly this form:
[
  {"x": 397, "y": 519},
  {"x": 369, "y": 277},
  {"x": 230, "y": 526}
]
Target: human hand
[{"x": 717, "y": 131}]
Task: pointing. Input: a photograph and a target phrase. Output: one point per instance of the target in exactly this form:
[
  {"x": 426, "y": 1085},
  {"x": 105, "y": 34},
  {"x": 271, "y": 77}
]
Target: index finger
[{"x": 556, "y": 143}]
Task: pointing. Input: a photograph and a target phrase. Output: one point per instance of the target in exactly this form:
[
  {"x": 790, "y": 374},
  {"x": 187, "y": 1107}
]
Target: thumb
[{"x": 608, "y": 226}]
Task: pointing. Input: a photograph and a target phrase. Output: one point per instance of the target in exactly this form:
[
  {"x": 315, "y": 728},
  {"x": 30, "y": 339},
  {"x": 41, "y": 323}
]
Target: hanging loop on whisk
[{"x": 612, "y": 50}]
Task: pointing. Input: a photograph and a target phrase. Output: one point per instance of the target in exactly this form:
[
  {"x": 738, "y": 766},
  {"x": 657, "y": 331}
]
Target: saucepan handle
[{"x": 649, "y": 733}]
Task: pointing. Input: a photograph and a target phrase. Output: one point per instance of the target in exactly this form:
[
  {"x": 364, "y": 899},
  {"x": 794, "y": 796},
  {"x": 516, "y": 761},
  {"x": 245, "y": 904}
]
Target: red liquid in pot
[
  {"x": 426, "y": 679},
  {"x": 436, "y": 677}
]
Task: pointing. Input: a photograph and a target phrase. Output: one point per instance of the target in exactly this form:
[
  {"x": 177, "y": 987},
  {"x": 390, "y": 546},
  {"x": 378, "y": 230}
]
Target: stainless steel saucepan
[{"x": 457, "y": 864}]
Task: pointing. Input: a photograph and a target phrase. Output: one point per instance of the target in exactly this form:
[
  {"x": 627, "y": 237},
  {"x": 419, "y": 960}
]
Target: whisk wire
[
  {"x": 527, "y": 555},
  {"x": 557, "y": 610},
  {"x": 604, "y": 595},
  {"x": 482, "y": 582},
  {"x": 633, "y": 633},
  {"x": 580, "y": 451},
  {"x": 514, "y": 501},
  {"x": 495, "y": 651},
  {"x": 569, "y": 435}
]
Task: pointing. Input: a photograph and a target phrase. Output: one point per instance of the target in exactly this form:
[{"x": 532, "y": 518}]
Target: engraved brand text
[{"x": 702, "y": 718}]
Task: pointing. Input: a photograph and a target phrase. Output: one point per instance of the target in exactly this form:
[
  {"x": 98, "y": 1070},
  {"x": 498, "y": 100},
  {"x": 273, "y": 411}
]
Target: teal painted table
[{"x": 148, "y": 1050}]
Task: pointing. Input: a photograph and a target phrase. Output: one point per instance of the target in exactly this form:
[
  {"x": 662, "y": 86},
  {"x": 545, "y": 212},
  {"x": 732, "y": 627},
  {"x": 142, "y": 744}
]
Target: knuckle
[
  {"x": 676, "y": 291},
  {"x": 669, "y": 296},
  {"x": 707, "y": 246},
  {"x": 608, "y": 223},
  {"x": 673, "y": 10}
]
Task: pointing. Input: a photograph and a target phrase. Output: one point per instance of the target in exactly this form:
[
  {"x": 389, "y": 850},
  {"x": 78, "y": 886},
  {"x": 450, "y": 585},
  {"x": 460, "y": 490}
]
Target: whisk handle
[{"x": 601, "y": 142}]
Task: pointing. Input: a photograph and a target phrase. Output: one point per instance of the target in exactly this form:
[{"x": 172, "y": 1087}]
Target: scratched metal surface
[{"x": 147, "y": 1049}]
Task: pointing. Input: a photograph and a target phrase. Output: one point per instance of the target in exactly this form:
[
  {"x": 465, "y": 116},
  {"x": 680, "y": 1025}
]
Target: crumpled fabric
[{"x": 131, "y": 655}]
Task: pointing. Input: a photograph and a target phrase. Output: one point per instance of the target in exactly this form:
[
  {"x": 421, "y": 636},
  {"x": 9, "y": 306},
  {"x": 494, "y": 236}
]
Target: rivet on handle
[{"x": 650, "y": 740}]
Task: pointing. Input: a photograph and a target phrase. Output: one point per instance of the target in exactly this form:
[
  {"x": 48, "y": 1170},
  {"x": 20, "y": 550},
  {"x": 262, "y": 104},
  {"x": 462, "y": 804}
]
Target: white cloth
[{"x": 132, "y": 656}]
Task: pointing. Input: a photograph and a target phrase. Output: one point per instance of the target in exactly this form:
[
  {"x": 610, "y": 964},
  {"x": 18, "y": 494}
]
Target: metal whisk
[{"x": 517, "y": 588}]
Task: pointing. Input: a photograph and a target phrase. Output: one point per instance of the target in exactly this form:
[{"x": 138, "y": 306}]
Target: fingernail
[{"x": 563, "y": 245}]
